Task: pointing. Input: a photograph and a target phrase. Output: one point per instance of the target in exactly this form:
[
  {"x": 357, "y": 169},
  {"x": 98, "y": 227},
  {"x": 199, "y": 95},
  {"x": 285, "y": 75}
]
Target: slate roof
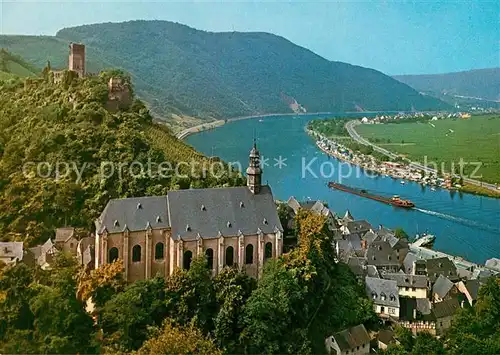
[
  {"x": 405, "y": 280},
  {"x": 357, "y": 265},
  {"x": 442, "y": 286},
  {"x": 424, "y": 306},
  {"x": 360, "y": 226},
  {"x": 370, "y": 237},
  {"x": 415, "y": 309},
  {"x": 408, "y": 262},
  {"x": 446, "y": 308},
  {"x": 352, "y": 337},
  {"x": 382, "y": 292},
  {"x": 371, "y": 270},
  {"x": 11, "y": 251},
  {"x": 355, "y": 240},
  {"x": 386, "y": 336},
  {"x": 472, "y": 287},
  {"x": 63, "y": 234},
  {"x": 441, "y": 266},
  {"x": 222, "y": 211},
  {"x": 380, "y": 253},
  {"x": 134, "y": 213}
]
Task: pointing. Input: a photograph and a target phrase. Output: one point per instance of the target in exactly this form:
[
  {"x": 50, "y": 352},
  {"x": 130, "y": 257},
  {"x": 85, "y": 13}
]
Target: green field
[{"x": 476, "y": 139}]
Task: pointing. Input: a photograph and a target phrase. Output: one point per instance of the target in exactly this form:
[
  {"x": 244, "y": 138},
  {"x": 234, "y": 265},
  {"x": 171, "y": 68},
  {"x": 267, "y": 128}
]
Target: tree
[
  {"x": 232, "y": 289},
  {"x": 400, "y": 233},
  {"x": 171, "y": 339},
  {"x": 125, "y": 318},
  {"x": 190, "y": 296}
]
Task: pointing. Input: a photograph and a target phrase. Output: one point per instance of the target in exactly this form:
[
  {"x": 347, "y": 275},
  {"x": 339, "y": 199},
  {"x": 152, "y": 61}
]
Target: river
[{"x": 465, "y": 225}]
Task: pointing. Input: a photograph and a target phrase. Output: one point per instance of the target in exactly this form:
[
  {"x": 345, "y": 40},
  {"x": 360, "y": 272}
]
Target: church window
[
  {"x": 136, "y": 253},
  {"x": 159, "y": 251},
  {"x": 209, "y": 253},
  {"x": 112, "y": 255},
  {"x": 249, "y": 254},
  {"x": 268, "y": 250},
  {"x": 188, "y": 256},
  {"x": 229, "y": 256}
]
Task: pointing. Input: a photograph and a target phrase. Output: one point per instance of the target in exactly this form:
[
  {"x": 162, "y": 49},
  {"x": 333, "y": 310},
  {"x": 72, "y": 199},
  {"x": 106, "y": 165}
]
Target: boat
[
  {"x": 402, "y": 182},
  {"x": 394, "y": 201},
  {"x": 425, "y": 239}
]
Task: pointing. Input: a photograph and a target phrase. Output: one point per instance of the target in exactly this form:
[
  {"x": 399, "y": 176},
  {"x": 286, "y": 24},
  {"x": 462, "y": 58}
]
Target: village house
[
  {"x": 443, "y": 289},
  {"x": 443, "y": 313},
  {"x": 41, "y": 255},
  {"x": 360, "y": 227},
  {"x": 414, "y": 286},
  {"x": 65, "y": 240},
  {"x": 355, "y": 341},
  {"x": 382, "y": 256},
  {"x": 470, "y": 288},
  {"x": 385, "y": 338},
  {"x": 416, "y": 315},
  {"x": 229, "y": 226},
  {"x": 384, "y": 294},
  {"x": 441, "y": 266},
  {"x": 11, "y": 252}
]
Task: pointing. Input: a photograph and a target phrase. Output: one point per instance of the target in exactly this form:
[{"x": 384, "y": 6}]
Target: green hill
[
  {"x": 12, "y": 66},
  {"x": 181, "y": 70},
  {"x": 44, "y": 126},
  {"x": 479, "y": 84}
]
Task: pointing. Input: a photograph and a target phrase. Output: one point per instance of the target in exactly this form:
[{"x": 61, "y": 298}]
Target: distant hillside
[
  {"x": 480, "y": 84},
  {"x": 12, "y": 66},
  {"x": 181, "y": 70}
]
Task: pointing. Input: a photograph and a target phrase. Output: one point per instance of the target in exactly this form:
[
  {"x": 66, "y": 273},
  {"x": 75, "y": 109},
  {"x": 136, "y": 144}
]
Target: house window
[
  {"x": 392, "y": 311},
  {"x": 407, "y": 289},
  {"x": 112, "y": 255},
  {"x": 249, "y": 254},
  {"x": 136, "y": 253},
  {"x": 413, "y": 289},
  {"x": 269, "y": 251},
  {"x": 159, "y": 251},
  {"x": 382, "y": 309},
  {"x": 229, "y": 256},
  {"x": 209, "y": 253},
  {"x": 186, "y": 260}
]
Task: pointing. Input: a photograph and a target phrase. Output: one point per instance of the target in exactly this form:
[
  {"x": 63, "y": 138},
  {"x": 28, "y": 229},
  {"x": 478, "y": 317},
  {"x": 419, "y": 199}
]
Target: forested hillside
[
  {"x": 12, "y": 66},
  {"x": 480, "y": 83},
  {"x": 45, "y": 126},
  {"x": 181, "y": 70}
]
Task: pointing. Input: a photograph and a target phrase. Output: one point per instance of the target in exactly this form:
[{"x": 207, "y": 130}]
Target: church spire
[{"x": 254, "y": 171}]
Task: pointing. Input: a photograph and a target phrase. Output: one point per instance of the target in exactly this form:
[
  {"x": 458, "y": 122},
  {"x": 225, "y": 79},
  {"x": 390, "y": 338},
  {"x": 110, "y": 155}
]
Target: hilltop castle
[{"x": 119, "y": 95}]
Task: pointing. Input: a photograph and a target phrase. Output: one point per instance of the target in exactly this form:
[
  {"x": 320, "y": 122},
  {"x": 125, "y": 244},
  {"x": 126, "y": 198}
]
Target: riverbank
[{"x": 395, "y": 170}]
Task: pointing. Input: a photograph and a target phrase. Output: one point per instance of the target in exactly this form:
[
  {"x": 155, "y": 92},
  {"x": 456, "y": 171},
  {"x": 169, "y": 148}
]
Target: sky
[{"x": 395, "y": 37}]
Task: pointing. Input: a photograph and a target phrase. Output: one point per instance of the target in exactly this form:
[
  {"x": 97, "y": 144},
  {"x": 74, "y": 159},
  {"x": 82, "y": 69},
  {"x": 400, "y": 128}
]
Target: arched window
[
  {"x": 249, "y": 254},
  {"x": 229, "y": 256},
  {"x": 269, "y": 251},
  {"x": 188, "y": 256},
  {"x": 136, "y": 253},
  {"x": 112, "y": 255},
  {"x": 209, "y": 253},
  {"x": 159, "y": 251}
]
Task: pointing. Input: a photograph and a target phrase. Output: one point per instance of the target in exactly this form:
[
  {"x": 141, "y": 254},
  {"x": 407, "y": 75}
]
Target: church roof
[
  {"x": 134, "y": 214},
  {"x": 222, "y": 211}
]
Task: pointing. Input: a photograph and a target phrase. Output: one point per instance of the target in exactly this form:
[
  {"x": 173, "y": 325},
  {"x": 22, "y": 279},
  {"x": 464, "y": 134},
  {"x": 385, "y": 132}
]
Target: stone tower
[
  {"x": 254, "y": 171},
  {"x": 77, "y": 58}
]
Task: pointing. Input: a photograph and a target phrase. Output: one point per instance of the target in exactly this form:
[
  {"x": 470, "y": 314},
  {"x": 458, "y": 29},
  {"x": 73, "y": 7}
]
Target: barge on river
[{"x": 394, "y": 201}]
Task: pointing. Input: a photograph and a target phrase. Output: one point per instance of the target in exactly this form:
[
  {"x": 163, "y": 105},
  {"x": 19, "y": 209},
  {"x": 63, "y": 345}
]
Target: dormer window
[
  {"x": 374, "y": 295},
  {"x": 382, "y": 296},
  {"x": 203, "y": 208},
  {"x": 158, "y": 219},
  {"x": 379, "y": 247},
  {"x": 265, "y": 221},
  {"x": 440, "y": 264},
  {"x": 242, "y": 204},
  {"x": 139, "y": 206},
  {"x": 188, "y": 228},
  {"x": 228, "y": 224},
  {"x": 116, "y": 224},
  {"x": 392, "y": 297}
]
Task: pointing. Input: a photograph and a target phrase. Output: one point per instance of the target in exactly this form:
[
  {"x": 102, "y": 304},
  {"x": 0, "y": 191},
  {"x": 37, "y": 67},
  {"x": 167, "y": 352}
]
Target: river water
[{"x": 464, "y": 224}]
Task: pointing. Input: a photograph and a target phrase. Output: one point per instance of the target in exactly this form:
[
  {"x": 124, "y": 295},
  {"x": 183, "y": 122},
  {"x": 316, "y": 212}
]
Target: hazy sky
[{"x": 396, "y": 37}]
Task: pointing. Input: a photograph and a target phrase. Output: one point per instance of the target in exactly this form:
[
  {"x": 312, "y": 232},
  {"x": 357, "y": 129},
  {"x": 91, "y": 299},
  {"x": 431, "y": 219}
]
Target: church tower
[
  {"x": 77, "y": 58},
  {"x": 254, "y": 172}
]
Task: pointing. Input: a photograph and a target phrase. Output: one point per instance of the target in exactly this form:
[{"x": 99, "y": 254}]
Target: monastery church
[{"x": 155, "y": 235}]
